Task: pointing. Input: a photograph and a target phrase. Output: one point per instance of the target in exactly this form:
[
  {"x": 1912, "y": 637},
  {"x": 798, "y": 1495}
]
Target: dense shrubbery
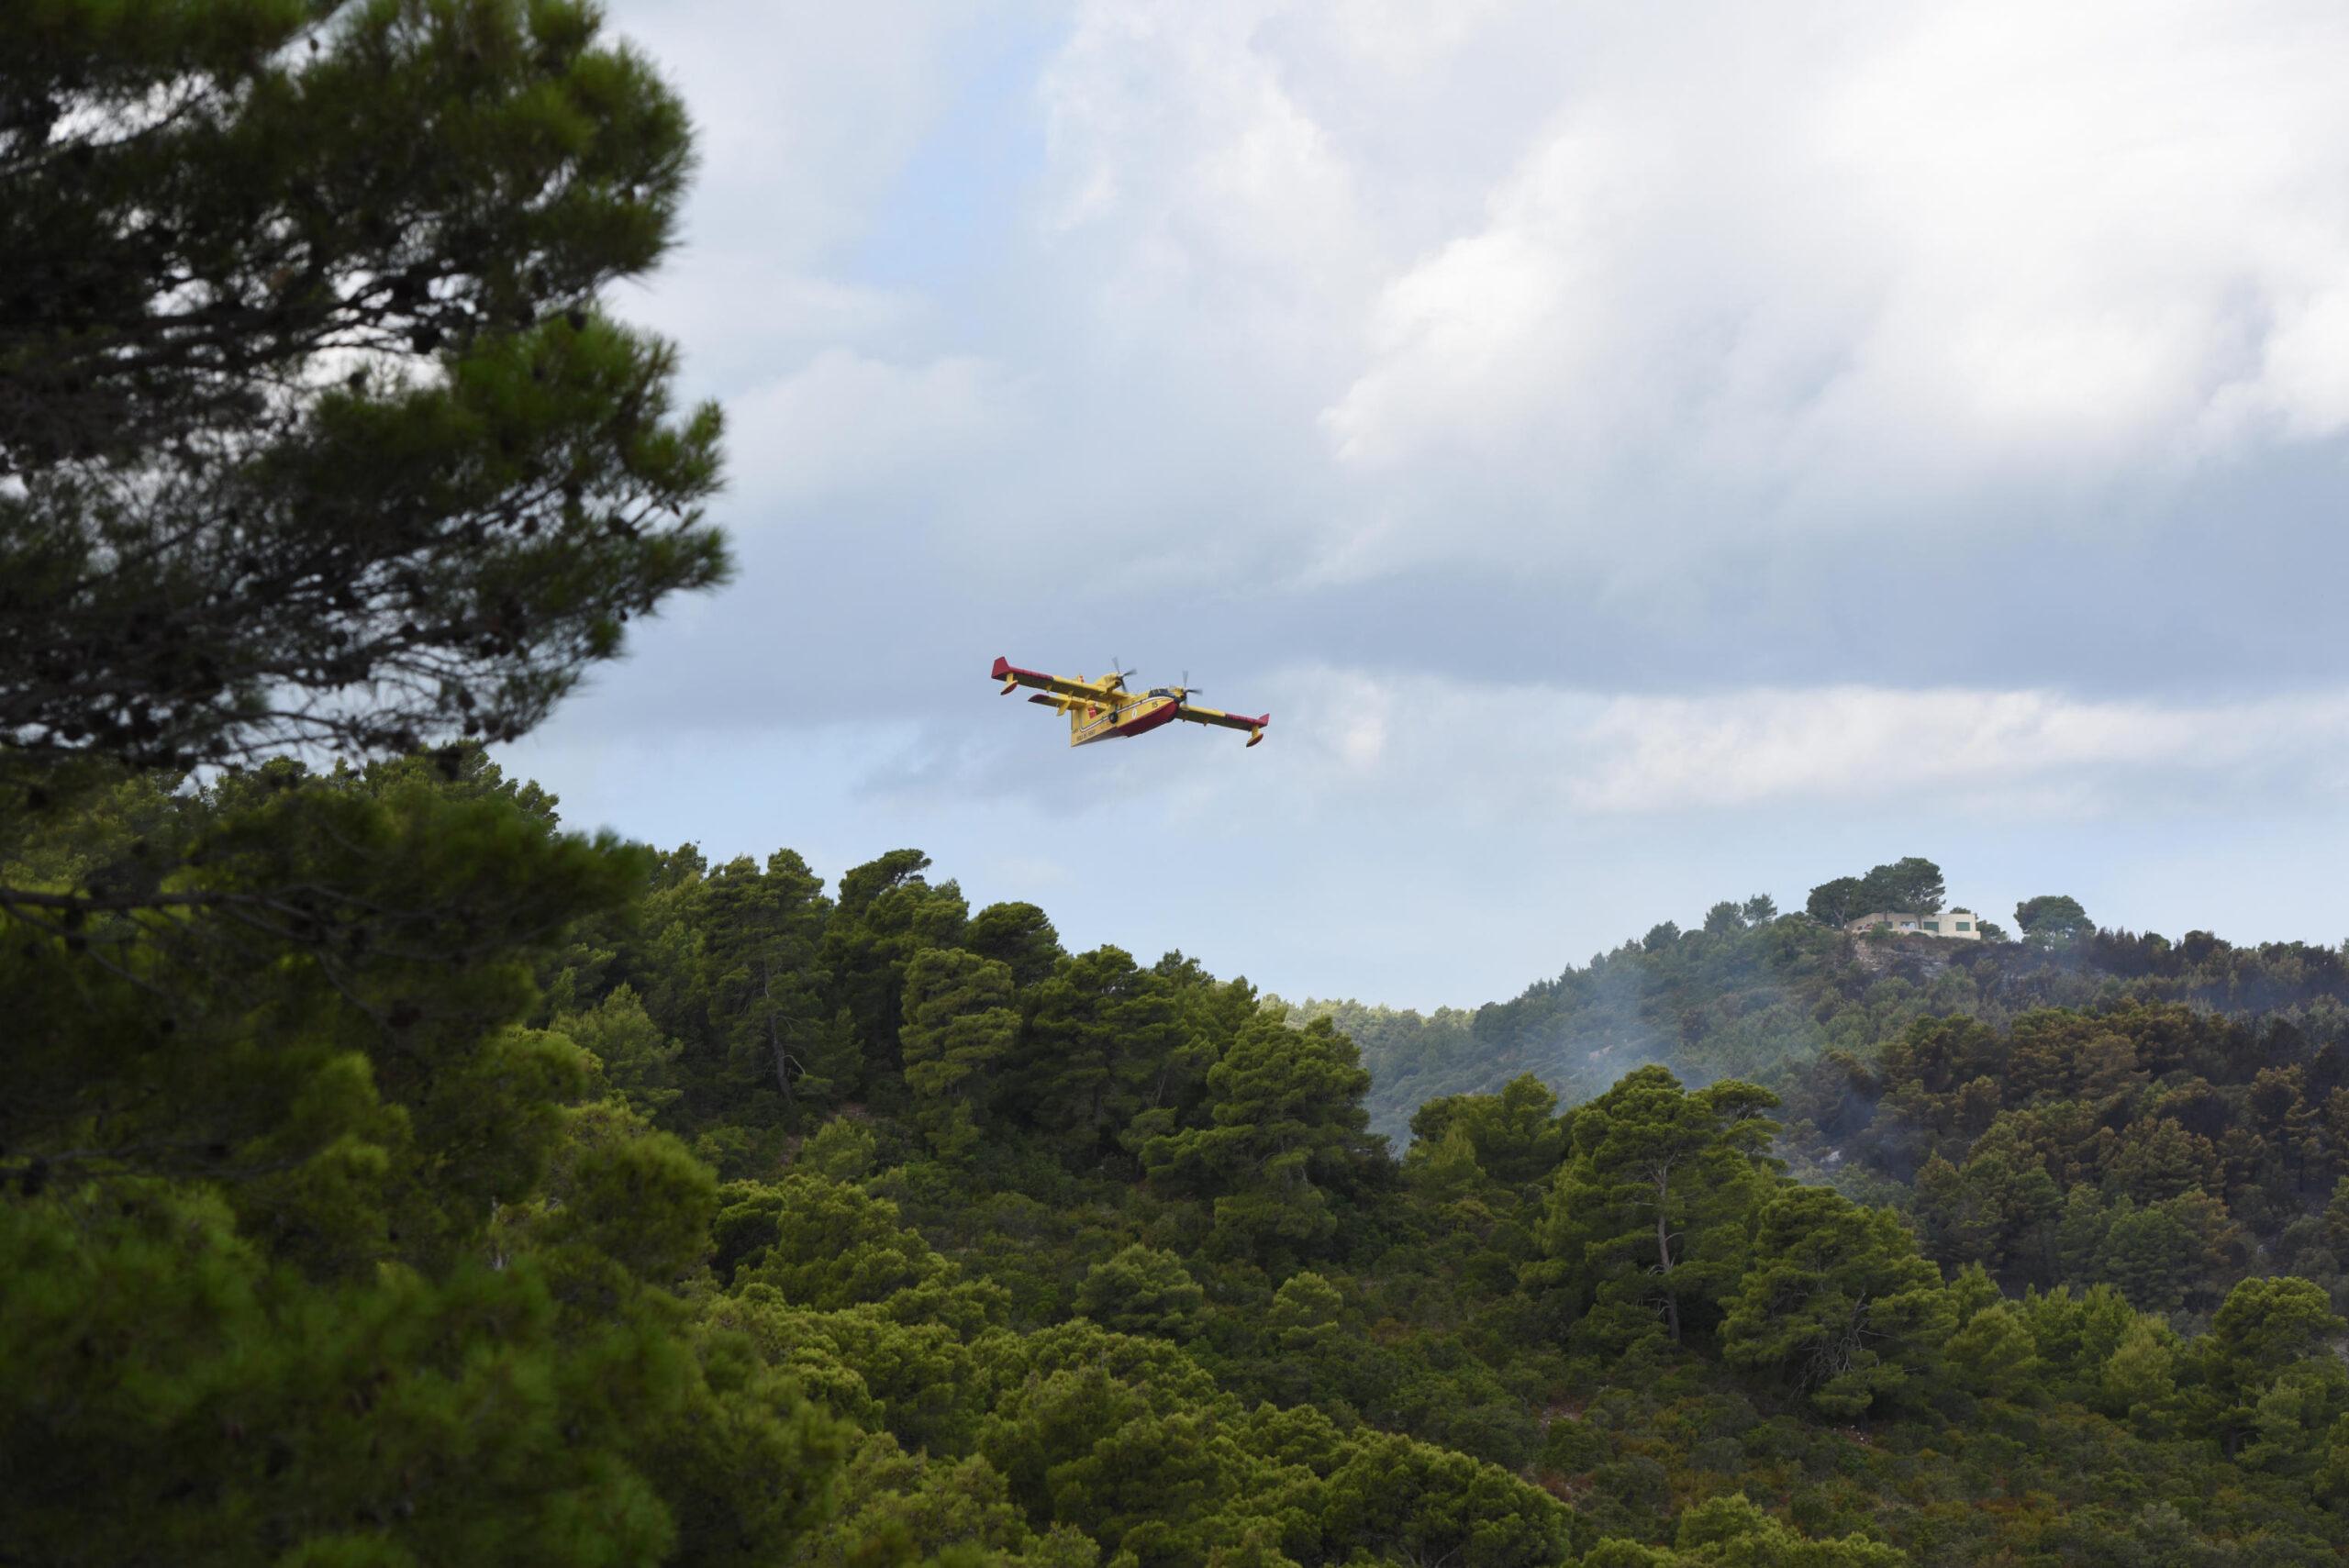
[{"x": 679, "y": 1212}]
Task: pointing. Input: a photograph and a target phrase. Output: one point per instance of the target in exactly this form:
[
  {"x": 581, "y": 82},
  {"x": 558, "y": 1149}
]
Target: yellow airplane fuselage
[{"x": 1120, "y": 718}]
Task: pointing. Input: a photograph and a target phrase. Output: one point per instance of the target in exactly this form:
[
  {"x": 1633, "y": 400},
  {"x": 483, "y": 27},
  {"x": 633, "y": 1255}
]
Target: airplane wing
[
  {"x": 1012, "y": 676},
  {"x": 1198, "y": 715}
]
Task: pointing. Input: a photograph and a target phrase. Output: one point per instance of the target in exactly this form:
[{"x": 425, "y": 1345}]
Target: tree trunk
[
  {"x": 1663, "y": 1252},
  {"x": 775, "y": 1036}
]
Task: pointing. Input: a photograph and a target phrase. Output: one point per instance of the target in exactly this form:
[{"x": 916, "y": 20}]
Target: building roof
[{"x": 1910, "y": 914}]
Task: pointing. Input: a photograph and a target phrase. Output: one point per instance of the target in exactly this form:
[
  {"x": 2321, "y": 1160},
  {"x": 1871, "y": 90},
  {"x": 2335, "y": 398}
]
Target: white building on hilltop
[{"x": 1962, "y": 925}]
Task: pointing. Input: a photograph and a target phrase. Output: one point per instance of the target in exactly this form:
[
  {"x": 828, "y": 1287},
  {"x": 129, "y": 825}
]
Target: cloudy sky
[{"x": 1639, "y": 455}]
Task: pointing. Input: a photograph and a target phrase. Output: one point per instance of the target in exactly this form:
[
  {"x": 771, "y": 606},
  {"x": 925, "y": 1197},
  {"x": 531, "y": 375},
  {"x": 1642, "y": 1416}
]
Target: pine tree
[
  {"x": 1649, "y": 1213},
  {"x": 765, "y": 993},
  {"x": 1142, "y": 1290},
  {"x": 959, "y": 1029},
  {"x": 1288, "y": 1135},
  {"x": 304, "y": 388},
  {"x": 885, "y": 914},
  {"x": 1105, "y": 1043},
  {"x": 1018, "y": 935},
  {"x": 1837, "y": 1301}
]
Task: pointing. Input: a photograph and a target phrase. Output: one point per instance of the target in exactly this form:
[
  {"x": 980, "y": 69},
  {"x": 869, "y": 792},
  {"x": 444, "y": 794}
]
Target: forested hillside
[
  {"x": 390, "y": 1176},
  {"x": 684, "y": 1212},
  {"x": 1753, "y": 994}
]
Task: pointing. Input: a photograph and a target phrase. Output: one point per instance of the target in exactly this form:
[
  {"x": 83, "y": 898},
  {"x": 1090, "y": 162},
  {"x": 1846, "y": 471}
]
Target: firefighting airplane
[{"x": 1104, "y": 709}]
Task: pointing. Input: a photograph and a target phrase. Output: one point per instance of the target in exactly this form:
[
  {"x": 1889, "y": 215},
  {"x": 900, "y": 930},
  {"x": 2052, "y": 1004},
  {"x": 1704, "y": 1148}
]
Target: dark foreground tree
[
  {"x": 310, "y": 431},
  {"x": 312, "y": 438}
]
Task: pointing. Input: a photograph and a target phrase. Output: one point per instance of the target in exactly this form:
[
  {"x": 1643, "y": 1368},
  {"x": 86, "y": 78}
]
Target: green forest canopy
[
  {"x": 820, "y": 1218},
  {"x": 394, "y": 1177}
]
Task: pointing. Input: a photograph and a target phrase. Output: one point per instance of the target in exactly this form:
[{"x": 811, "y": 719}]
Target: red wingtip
[{"x": 1002, "y": 667}]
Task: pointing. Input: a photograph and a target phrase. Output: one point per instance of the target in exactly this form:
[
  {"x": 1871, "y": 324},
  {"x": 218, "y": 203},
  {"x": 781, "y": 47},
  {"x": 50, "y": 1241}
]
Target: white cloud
[
  {"x": 806, "y": 116},
  {"x": 1313, "y": 295},
  {"x": 1200, "y": 194},
  {"x": 1997, "y": 751},
  {"x": 741, "y": 315},
  {"x": 1697, "y": 269},
  {"x": 2304, "y": 372},
  {"x": 1497, "y": 753},
  {"x": 803, "y": 111},
  {"x": 847, "y": 423}
]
